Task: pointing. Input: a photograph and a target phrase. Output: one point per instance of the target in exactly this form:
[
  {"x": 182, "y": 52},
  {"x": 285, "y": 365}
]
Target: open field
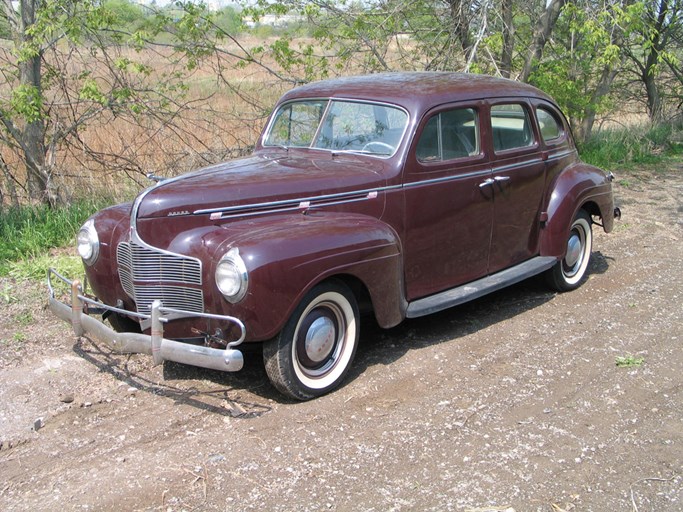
[{"x": 514, "y": 401}]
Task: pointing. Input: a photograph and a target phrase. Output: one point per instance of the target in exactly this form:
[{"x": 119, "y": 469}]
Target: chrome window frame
[{"x": 330, "y": 100}]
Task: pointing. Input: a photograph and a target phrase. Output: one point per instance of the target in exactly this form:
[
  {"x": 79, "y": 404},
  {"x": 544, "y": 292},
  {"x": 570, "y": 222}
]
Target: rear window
[{"x": 550, "y": 127}]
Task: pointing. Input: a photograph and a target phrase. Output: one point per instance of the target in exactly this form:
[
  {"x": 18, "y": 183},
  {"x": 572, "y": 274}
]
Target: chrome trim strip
[
  {"x": 317, "y": 201},
  {"x": 135, "y": 237},
  {"x": 509, "y": 167},
  {"x": 562, "y": 154},
  {"x": 295, "y": 204},
  {"x": 302, "y": 206},
  {"x": 271, "y": 205},
  {"x": 466, "y": 175}
]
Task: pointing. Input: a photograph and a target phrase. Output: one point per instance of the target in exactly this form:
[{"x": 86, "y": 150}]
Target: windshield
[{"x": 337, "y": 125}]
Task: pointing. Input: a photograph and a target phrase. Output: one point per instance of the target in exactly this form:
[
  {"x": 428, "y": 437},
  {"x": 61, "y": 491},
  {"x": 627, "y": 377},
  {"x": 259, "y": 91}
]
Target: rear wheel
[
  {"x": 314, "y": 351},
  {"x": 570, "y": 271}
]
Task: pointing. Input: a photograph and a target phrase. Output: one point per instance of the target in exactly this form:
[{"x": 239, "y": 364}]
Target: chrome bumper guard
[{"x": 160, "y": 348}]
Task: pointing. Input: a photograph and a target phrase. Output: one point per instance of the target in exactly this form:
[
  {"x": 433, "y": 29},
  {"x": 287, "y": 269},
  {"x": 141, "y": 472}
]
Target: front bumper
[{"x": 160, "y": 348}]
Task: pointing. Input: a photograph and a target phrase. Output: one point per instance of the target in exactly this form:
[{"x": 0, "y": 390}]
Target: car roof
[{"x": 417, "y": 91}]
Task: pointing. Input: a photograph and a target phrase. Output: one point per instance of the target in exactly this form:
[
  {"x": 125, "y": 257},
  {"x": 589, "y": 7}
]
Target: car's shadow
[{"x": 232, "y": 394}]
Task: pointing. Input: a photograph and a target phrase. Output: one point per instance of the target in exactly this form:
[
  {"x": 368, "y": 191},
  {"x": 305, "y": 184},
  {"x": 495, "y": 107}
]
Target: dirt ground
[{"x": 511, "y": 402}]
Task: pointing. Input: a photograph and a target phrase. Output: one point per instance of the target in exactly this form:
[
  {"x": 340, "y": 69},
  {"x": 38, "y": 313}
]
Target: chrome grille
[
  {"x": 147, "y": 275},
  {"x": 153, "y": 266},
  {"x": 187, "y": 299}
]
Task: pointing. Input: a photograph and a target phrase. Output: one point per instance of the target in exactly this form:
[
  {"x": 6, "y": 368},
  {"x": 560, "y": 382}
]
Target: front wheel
[
  {"x": 569, "y": 272},
  {"x": 314, "y": 351}
]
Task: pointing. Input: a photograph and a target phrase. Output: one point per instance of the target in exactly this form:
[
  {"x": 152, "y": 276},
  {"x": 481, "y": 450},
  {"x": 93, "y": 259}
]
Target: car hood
[{"x": 261, "y": 179}]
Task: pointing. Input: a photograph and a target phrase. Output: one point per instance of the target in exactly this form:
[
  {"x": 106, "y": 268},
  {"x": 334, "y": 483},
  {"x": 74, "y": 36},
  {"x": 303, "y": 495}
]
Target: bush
[
  {"x": 625, "y": 148},
  {"x": 30, "y": 231}
]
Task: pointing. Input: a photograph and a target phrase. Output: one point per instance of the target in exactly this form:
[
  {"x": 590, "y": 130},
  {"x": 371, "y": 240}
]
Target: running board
[{"x": 476, "y": 289}]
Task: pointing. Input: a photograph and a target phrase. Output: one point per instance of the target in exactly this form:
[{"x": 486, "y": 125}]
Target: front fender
[
  {"x": 286, "y": 255},
  {"x": 578, "y": 186}
]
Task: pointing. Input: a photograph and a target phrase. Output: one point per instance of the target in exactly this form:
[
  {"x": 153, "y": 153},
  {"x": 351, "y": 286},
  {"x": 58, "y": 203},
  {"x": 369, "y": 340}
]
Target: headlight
[
  {"x": 231, "y": 276},
  {"x": 88, "y": 243}
]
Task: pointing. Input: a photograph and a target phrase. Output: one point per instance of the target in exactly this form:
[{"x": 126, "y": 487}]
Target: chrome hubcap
[
  {"x": 573, "y": 250},
  {"x": 320, "y": 339}
]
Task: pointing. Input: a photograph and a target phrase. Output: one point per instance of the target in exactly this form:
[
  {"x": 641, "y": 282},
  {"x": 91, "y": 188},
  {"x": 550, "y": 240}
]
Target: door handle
[
  {"x": 487, "y": 182},
  {"x": 500, "y": 179}
]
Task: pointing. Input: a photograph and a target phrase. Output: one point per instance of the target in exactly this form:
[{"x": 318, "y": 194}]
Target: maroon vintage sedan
[{"x": 399, "y": 194}]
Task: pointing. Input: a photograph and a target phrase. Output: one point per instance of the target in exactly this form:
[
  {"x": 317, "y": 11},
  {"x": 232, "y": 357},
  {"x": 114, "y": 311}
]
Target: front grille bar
[{"x": 147, "y": 274}]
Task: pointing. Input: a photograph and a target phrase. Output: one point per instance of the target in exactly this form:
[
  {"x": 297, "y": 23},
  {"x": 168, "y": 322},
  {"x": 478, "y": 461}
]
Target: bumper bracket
[{"x": 161, "y": 349}]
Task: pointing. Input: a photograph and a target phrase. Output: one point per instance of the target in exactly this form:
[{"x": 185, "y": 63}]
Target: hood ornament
[{"x": 154, "y": 177}]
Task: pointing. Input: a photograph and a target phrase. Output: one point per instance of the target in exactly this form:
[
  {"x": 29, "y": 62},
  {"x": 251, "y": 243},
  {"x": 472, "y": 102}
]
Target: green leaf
[
  {"x": 27, "y": 102},
  {"x": 91, "y": 91}
]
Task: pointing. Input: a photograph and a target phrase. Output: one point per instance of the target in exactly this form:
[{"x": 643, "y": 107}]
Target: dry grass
[{"x": 219, "y": 116}]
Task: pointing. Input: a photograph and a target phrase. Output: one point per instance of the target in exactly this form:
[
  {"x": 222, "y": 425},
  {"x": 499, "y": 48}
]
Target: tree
[
  {"x": 72, "y": 65},
  {"x": 654, "y": 53},
  {"x": 542, "y": 31},
  {"x": 229, "y": 20},
  {"x": 124, "y": 14},
  {"x": 508, "y": 32},
  {"x": 387, "y": 35},
  {"x": 22, "y": 118},
  {"x": 113, "y": 86},
  {"x": 579, "y": 67}
]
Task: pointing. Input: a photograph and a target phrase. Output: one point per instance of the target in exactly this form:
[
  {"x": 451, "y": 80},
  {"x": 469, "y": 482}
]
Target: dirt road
[{"x": 512, "y": 402}]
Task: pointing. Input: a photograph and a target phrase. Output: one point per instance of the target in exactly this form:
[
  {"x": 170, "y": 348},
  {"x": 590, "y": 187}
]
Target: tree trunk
[
  {"x": 508, "y": 39},
  {"x": 654, "y": 99},
  {"x": 544, "y": 27},
  {"x": 32, "y": 134},
  {"x": 585, "y": 128},
  {"x": 460, "y": 28},
  {"x": 649, "y": 71}
]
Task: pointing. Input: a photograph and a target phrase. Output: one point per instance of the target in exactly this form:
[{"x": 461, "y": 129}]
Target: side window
[
  {"x": 449, "y": 135},
  {"x": 551, "y": 128},
  {"x": 511, "y": 127}
]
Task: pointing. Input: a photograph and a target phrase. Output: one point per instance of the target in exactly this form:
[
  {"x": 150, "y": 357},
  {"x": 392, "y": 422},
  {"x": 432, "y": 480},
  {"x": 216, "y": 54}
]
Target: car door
[
  {"x": 518, "y": 172},
  {"x": 448, "y": 209}
]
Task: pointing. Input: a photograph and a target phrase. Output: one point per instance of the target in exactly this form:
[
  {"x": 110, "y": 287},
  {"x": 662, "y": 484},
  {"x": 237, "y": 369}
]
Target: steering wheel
[{"x": 378, "y": 144}]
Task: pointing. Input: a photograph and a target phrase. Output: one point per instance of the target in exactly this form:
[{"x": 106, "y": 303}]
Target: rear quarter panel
[{"x": 577, "y": 186}]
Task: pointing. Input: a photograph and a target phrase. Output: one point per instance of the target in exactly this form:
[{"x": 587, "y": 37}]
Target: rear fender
[{"x": 576, "y": 187}]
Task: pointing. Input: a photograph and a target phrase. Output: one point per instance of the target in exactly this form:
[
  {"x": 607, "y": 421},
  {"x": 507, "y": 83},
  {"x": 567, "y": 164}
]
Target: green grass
[
  {"x": 36, "y": 268},
  {"x": 628, "y": 148},
  {"x": 629, "y": 361},
  {"x": 28, "y": 233}
]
